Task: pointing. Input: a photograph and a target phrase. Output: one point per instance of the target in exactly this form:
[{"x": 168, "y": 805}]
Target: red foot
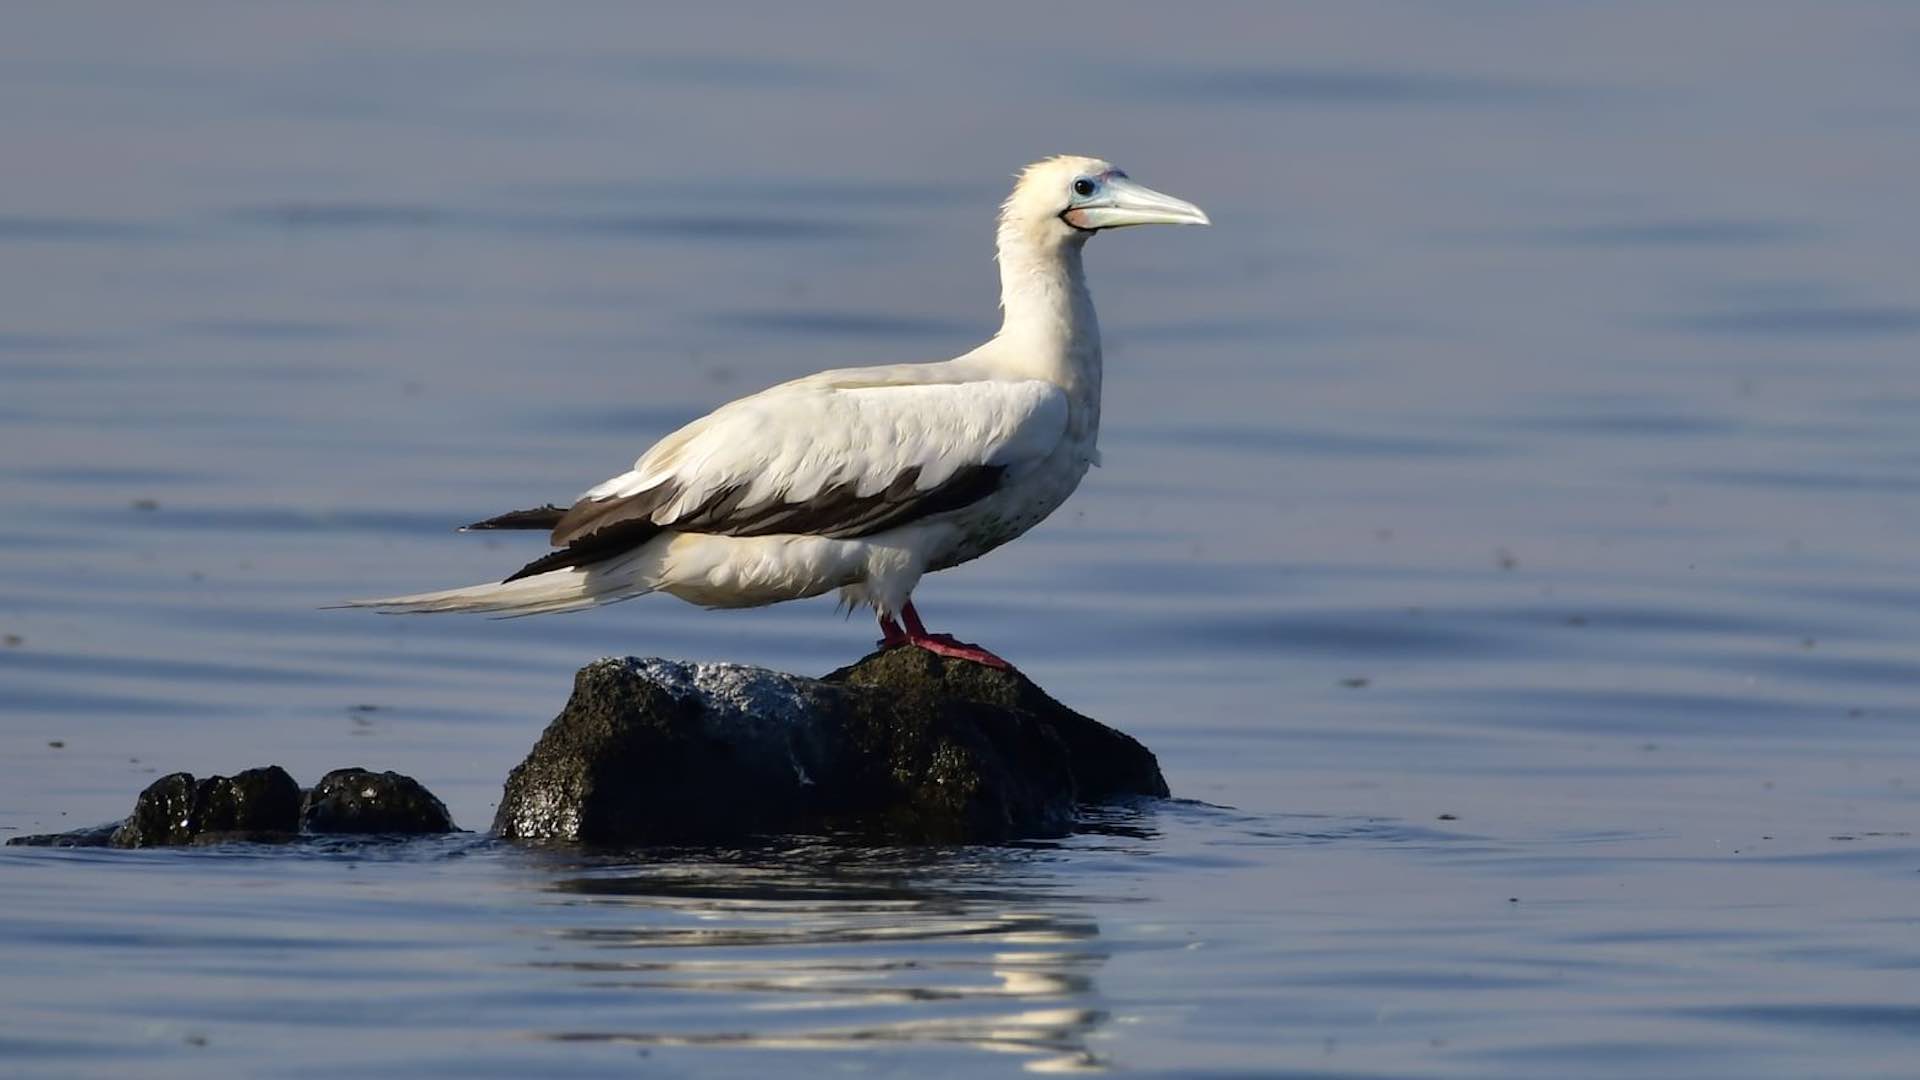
[
  {"x": 945, "y": 645},
  {"x": 916, "y": 634}
]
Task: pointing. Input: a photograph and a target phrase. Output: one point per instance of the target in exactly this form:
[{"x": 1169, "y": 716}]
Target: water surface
[{"x": 1505, "y": 538}]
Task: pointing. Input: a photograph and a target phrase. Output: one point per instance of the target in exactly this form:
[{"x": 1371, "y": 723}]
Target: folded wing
[{"x": 818, "y": 460}]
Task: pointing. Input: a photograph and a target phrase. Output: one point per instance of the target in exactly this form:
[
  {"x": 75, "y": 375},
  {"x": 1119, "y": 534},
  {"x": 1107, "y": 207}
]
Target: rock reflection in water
[{"x": 824, "y": 947}]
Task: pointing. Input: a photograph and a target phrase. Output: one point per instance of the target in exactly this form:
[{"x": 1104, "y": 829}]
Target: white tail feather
[{"x": 556, "y": 590}]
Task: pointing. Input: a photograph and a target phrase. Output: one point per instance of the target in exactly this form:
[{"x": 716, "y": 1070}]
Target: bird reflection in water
[{"x": 825, "y": 947}]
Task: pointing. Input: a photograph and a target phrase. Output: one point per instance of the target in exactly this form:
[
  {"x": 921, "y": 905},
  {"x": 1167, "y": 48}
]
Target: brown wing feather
[
  {"x": 592, "y": 548},
  {"x": 589, "y": 516},
  {"x": 540, "y": 517},
  {"x": 596, "y": 530}
]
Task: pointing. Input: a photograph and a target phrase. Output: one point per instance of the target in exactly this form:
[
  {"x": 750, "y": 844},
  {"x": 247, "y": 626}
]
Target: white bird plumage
[{"x": 860, "y": 479}]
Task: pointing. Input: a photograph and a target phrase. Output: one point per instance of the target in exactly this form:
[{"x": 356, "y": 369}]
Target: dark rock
[
  {"x": 98, "y": 836},
  {"x": 262, "y": 806},
  {"x": 1106, "y": 763},
  {"x": 246, "y": 836},
  {"x": 162, "y": 815},
  {"x": 903, "y": 745},
  {"x": 358, "y": 801},
  {"x": 262, "y": 800},
  {"x": 176, "y": 809}
]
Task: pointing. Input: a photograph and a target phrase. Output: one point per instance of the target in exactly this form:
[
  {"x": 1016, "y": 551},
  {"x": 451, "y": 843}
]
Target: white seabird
[{"x": 861, "y": 479}]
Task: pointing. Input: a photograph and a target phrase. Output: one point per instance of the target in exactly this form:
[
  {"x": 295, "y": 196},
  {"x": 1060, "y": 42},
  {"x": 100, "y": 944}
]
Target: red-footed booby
[{"x": 860, "y": 479}]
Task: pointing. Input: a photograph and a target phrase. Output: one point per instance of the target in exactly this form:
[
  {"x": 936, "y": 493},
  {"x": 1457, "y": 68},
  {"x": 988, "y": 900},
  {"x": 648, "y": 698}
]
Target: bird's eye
[{"x": 1083, "y": 187}]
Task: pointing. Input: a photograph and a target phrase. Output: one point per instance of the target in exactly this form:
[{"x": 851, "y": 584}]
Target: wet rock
[
  {"x": 262, "y": 806},
  {"x": 98, "y": 836},
  {"x": 903, "y": 745},
  {"x": 359, "y": 801},
  {"x": 177, "y": 809},
  {"x": 1106, "y": 763}
]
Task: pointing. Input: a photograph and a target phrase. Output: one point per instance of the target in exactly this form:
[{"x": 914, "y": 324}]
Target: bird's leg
[
  {"x": 944, "y": 644},
  {"x": 891, "y": 636}
]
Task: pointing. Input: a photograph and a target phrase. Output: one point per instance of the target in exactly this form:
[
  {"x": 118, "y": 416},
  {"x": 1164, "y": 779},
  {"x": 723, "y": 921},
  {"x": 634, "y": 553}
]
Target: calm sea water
[{"x": 1507, "y": 536}]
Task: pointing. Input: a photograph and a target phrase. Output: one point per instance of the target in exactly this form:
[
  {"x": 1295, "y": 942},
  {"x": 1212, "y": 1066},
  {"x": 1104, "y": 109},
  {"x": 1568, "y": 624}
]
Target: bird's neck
[{"x": 1049, "y": 330}]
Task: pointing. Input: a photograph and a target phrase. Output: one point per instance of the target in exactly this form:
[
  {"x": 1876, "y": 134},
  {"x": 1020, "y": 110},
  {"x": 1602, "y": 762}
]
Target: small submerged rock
[
  {"x": 358, "y": 801},
  {"x": 178, "y": 809},
  {"x": 262, "y": 805},
  {"x": 902, "y": 745},
  {"x": 97, "y": 836}
]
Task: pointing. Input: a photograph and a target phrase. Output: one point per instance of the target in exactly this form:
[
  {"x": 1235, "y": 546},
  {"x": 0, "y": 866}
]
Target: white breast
[{"x": 1021, "y": 504}]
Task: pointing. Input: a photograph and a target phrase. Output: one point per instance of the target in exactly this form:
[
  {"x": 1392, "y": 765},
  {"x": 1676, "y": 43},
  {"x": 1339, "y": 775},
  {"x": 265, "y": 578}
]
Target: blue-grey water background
[{"x": 1506, "y": 538}]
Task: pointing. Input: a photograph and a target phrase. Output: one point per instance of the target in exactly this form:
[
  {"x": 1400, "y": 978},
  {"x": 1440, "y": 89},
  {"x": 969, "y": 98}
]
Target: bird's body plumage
[{"x": 858, "y": 479}]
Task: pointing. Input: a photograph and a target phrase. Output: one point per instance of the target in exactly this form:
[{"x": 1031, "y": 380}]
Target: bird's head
[{"x": 1069, "y": 198}]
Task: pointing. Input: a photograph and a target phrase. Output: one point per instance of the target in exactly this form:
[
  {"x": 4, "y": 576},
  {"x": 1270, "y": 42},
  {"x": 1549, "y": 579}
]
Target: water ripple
[
  {"x": 1678, "y": 233},
  {"x": 1338, "y": 86},
  {"x": 1310, "y": 443},
  {"x": 50, "y": 229},
  {"x": 1836, "y": 322},
  {"x": 856, "y": 324}
]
